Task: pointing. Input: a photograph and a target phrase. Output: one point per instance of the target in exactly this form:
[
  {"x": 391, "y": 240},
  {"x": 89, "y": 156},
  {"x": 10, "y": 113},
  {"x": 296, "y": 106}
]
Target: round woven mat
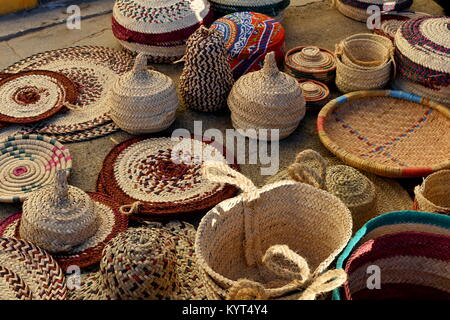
[
  {"x": 142, "y": 169},
  {"x": 89, "y": 253},
  {"x": 28, "y": 162},
  {"x": 32, "y": 96},
  {"x": 93, "y": 70},
  {"x": 28, "y": 272},
  {"x": 389, "y": 133}
]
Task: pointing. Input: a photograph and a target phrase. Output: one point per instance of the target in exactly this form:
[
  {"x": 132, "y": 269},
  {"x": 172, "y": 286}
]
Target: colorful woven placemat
[
  {"x": 32, "y": 96},
  {"x": 93, "y": 70},
  {"x": 143, "y": 170},
  {"x": 28, "y": 272},
  {"x": 249, "y": 36},
  {"x": 28, "y": 162},
  {"x": 111, "y": 223},
  {"x": 389, "y": 133}
]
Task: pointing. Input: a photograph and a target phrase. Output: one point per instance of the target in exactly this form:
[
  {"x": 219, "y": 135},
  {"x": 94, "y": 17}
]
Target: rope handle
[
  {"x": 275, "y": 259},
  {"x": 72, "y": 107},
  {"x": 300, "y": 172},
  {"x": 130, "y": 209}
]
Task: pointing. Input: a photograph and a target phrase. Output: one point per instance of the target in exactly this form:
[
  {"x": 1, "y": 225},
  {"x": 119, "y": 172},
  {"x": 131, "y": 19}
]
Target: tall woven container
[
  {"x": 433, "y": 195},
  {"x": 423, "y": 57},
  {"x": 364, "y": 62},
  {"x": 267, "y": 99},
  {"x": 142, "y": 100},
  {"x": 158, "y": 28},
  {"x": 235, "y": 238},
  {"x": 206, "y": 79}
]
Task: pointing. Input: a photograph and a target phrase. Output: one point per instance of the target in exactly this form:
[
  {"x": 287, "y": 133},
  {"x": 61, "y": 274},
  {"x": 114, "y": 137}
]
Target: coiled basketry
[{"x": 433, "y": 195}]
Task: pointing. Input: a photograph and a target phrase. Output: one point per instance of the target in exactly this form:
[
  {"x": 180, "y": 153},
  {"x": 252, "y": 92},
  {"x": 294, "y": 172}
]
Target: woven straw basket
[
  {"x": 434, "y": 193},
  {"x": 357, "y": 9},
  {"x": 389, "y": 133},
  {"x": 395, "y": 223},
  {"x": 249, "y": 236},
  {"x": 364, "y": 61}
]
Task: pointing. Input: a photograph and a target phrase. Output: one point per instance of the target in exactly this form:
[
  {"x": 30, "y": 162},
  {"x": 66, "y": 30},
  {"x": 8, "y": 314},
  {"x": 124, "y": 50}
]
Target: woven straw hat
[
  {"x": 312, "y": 63},
  {"x": 249, "y": 36},
  {"x": 434, "y": 193},
  {"x": 29, "y": 273},
  {"x": 92, "y": 68},
  {"x": 67, "y": 222},
  {"x": 206, "y": 79},
  {"x": 273, "y": 8},
  {"x": 29, "y": 162},
  {"x": 312, "y": 227},
  {"x": 413, "y": 265},
  {"x": 365, "y": 194},
  {"x": 159, "y": 178},
  {"x": 423, "y": 56},
  {"x": 154, "y": 262},
  {"x": 32, "y": 96},
  {"x": 142, "y": 100},
  {"x": 158, "y": 28},
  {"x": 394, "y": 223},
  {"x": 267, "y": 99}
]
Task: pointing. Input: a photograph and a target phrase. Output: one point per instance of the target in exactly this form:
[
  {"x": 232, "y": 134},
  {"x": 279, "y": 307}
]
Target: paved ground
[{"x": 307, "y": 22}]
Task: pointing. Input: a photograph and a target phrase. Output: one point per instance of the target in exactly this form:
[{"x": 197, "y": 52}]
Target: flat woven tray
[{"x": 389, "y": 133}]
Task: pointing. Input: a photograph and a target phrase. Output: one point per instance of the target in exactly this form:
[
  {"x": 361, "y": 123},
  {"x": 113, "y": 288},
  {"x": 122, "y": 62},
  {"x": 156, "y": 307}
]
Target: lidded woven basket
[
  {"x": 59, "y": 217},
  {"x": 234, "y": 237},
  {"x": 273, "y": 8},
  {"x": 267, "y": 99},
  {"x": 357, "y": 9},
  {"x": 205, "y": 86},
  {"x": 434, "y": 193},
  {"x": 142, "y": 100}
]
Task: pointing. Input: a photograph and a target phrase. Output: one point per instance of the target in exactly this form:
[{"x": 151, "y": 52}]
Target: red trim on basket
[
  {"x": 417, "y": 172},
  {"x": 320, "y": 123}
]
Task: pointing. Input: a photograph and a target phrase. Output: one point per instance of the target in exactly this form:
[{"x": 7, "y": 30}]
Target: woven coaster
[
  {"x": 28, "y": 272},
  {"x": 32, "y": 96},
  {"x": 28, "y": 162},
  {"x": 143, "y": 169},
  {"x": 89, "y": 253},
  {"x": 93, "y": 70}
]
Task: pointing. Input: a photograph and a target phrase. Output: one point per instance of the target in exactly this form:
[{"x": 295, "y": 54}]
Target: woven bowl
[
  {"x": 389, "y": 133},
  {"x": 233, "y": 237},
  {"x": 434, "y": 193},
  {"x": 316, "y": 93},
  {"x": 412, "y": 265},
  {"x": 393, "y": 223}
]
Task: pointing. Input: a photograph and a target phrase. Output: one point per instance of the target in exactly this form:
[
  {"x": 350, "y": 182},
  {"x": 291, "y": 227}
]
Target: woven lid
[
  {"x": 413, "y": 265},
  {"x": 311, "y": 59},
  {"x": 424, "y": 45},
  {"x": 314, "y": 91},
  {"x": 59, "y": 217},
  {"x": 32, "y": 96},
  {"x": 154, "y": 262},
  {"x": 159, "y": 16},
  {"x": 29, "y": 273},
  {"x": 158, "y": 177},
  {"x": 29, "y": 162}
]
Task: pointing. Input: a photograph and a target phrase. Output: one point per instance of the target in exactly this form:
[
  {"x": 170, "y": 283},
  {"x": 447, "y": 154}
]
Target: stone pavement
[{"x": 307, "y": 22}]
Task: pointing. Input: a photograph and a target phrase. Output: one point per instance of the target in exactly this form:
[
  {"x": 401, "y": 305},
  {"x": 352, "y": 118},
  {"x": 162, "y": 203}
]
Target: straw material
[
  {"x": 423, "y": 51},
  {"x": 267, "y": 99},
  {"x": 434, "y": 193},
  {"x": 248, "y": 37},
  {"x": 382, "y": 131},
  {"x": 206, "y": 79},
  {"x": 157, "y": 178},
  {"x": 357, "y": 9},
  {"x": 440, "y": 95},
  {"x": 93, "y": 70},
  {"x": 311, "y": 63},
  {"x": 143, "y": 101},
  {"x": 29, "y": 162},
  {"x": 158, "y": 28},
  {"x": 365, "y": 194},
  {"x": 110, "y": 223},
  {"x": 316, "y": 93},
  {"x": 29, "y": 273},
  {"x": 413, "y": 265},
  {"x": 86, "y": 135},
  {"x": 233, "y": 237},
  {"x": 390, "y": 23},
  {"x": 273, "y": 8},
  {"x": 32, "y": 96},
  {"x": 153, "y": 262},
  {"x": 364, "y": 62}
]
